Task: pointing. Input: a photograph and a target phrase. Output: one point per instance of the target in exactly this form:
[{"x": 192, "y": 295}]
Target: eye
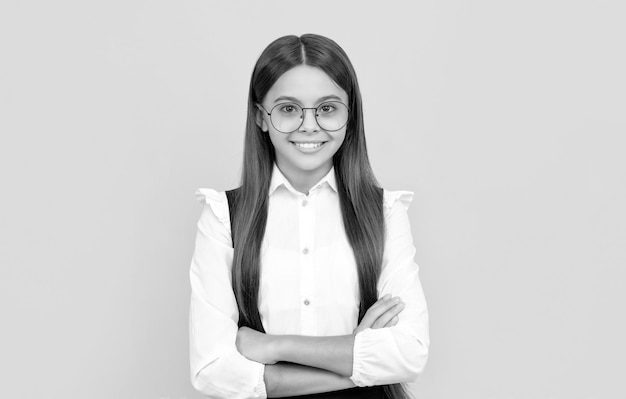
[
  {"x": 289, "y": 109},
  {"x": 327, "y": 108}
]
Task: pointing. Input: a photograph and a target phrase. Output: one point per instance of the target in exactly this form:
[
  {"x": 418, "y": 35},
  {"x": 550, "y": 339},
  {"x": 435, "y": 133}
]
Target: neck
[{"x": 304, "y": 180}]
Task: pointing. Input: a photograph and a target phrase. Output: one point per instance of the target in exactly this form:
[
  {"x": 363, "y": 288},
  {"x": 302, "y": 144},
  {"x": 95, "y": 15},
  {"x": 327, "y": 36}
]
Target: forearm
[
  {"x": 286, "y": 379},
  {"x": 328, "y": 353}
]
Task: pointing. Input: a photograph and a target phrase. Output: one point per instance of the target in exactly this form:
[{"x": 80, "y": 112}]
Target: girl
[{"x": 303, "y": 280}]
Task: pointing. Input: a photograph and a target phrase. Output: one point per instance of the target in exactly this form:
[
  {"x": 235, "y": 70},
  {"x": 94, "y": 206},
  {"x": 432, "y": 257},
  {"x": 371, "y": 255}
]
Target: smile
[{"x": 309, "y": 146}]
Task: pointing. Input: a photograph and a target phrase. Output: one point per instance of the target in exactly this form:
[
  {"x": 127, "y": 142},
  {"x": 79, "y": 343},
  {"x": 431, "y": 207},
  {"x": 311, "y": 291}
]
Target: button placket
[{"x": 307, "y": 270}]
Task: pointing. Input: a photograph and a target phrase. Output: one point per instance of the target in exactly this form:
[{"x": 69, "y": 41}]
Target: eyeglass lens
[{"x": 288, "y": 117}]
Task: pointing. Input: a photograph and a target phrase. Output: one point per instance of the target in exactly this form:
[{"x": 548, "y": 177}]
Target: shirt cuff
[
  {"x": 260, "y": 390},
  {"x": 364, "y": 342},
  {"x": 377, "y": 359}
]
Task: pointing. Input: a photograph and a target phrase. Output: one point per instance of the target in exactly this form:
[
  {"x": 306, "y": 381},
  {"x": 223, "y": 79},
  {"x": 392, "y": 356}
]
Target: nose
[{"x": 309, "y": 122}]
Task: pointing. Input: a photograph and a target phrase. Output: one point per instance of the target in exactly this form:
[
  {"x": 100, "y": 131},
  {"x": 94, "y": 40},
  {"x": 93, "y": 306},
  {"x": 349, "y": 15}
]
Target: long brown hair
[{"x": 360, "y": 196}]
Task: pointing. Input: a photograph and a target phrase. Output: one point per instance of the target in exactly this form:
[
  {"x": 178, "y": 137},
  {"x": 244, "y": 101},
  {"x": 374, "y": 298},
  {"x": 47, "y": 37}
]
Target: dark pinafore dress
[{"x": 352, "y": 393}]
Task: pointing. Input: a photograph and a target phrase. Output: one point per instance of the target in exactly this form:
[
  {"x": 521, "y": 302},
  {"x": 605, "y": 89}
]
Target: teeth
[{"x": 308, "y": 145}]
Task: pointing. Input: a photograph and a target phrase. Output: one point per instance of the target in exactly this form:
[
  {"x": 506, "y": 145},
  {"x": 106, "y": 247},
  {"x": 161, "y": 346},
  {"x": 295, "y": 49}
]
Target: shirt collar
[{"x": 278, "y": 179}]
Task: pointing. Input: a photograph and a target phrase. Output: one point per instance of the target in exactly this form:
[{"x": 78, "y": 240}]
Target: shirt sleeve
[
  {"x": 399, "y": 353},
  {"x": 218, "y": 370}
]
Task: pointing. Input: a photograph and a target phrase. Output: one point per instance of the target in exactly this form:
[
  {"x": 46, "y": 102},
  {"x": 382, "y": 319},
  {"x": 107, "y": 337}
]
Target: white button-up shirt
[{"x": 308, "y": 286}]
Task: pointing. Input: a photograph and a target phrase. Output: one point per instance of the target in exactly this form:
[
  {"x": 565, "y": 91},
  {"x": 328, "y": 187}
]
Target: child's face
[{"x": 307, "y": 87}]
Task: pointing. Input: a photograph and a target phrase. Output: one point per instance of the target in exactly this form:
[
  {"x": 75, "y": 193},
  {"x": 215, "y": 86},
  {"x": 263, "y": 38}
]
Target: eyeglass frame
[{"x": 303, "y": 115}]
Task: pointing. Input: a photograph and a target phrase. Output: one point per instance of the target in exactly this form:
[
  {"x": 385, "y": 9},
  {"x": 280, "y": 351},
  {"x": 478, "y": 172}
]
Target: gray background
[{"x": 505, "y": 118}]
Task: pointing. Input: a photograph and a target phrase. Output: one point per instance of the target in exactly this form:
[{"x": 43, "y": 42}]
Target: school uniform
[{"x": 308, "y": 286}]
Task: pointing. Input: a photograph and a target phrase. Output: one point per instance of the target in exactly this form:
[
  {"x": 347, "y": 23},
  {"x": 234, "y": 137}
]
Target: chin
[{"x": 308, "y": 165}]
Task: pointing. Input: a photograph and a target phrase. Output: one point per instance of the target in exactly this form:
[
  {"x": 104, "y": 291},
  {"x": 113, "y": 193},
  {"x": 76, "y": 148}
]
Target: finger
[
  {"x": 388, "y": 315},
  {"x": 380, "y": 307},
  {"x": 377, "y": 310},
  {"x": 384, "y": 318},
  {"x": 381, "y": 301},
  {"x": 394, "y": 320}
]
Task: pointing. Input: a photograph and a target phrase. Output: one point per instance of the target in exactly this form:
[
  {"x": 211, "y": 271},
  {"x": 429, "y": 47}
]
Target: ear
[{"x": 260, "y": 120}]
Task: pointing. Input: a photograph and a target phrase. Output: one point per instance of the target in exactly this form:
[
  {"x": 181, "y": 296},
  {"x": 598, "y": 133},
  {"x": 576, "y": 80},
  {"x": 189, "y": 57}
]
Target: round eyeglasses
[{"x": 288, "y": 117}]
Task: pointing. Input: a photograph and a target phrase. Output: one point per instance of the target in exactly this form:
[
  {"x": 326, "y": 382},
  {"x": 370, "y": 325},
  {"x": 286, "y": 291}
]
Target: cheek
[
  {"x": 277, "y": 139},
  {"x": 338, "y": 140}
]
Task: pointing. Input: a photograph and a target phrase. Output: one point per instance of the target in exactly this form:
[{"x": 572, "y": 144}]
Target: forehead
[{"x": 306, "y": 83}]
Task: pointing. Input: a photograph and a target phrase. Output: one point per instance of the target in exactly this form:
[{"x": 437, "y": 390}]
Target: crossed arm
[{"x": 313, "y": 364}]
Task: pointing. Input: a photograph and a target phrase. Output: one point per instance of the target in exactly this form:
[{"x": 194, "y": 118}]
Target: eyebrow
[{"x": 295, "y": 100}]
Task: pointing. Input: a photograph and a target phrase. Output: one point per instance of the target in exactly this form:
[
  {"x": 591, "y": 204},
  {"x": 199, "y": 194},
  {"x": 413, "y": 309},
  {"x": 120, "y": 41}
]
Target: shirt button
[
  {"x": 306, "y": 302},
  {"x": 305, "y": 251},
  {"x": 305, "y": 202}
]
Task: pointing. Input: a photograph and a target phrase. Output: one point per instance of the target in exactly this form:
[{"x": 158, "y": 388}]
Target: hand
[
  {"x": 383, "y": 313},
  {"x": 256, "y": 345}
]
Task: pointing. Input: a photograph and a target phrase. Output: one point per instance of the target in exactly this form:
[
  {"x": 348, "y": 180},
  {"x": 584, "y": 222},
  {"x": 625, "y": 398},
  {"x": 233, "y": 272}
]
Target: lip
[{"x": 308, "y": 150}]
